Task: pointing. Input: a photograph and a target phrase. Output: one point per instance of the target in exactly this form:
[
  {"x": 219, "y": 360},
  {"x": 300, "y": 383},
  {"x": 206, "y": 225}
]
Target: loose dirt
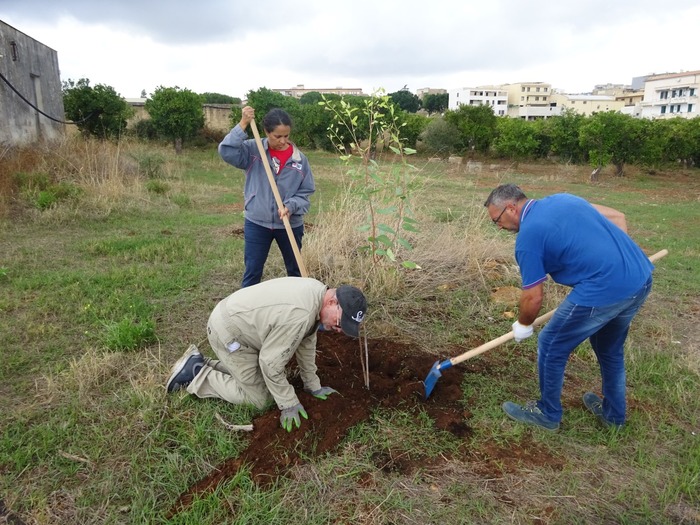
[
  {"x": 396, "y": 376},
  {"x": 396, "y": 381}
]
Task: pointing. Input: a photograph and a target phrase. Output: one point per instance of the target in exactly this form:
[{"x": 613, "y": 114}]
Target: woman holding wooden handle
[{"x": 264, "y": 220}]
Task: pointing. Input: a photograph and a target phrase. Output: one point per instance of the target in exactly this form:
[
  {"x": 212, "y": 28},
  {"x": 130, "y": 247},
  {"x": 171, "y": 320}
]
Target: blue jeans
[
  {"x": 258, "y": 240},
  {"x": 606, "y": 327}
]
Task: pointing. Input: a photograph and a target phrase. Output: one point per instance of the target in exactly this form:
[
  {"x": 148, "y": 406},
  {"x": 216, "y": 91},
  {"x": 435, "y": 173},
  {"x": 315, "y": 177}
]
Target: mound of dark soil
[{"x": 396, "y": 380}]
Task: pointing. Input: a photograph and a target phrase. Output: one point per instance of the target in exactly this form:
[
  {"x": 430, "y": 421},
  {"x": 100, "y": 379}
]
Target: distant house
[
  {"x": 671, "y": 95},
  {"x": 494, "y": 97},
  {"x": 587, "y": 105},
  {"x": 216, "y": 116},
  {"x": 300, "y": 90},
  {"x": 422, "y": 92},
  {"x": 31, "y": 101},
  {"x": 524, "y": 100}
]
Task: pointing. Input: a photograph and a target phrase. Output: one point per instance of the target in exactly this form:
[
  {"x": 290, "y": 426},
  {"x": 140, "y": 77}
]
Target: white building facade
[
  {"x": 495, "y": 98},
  {"x": 671, "y": 95}
]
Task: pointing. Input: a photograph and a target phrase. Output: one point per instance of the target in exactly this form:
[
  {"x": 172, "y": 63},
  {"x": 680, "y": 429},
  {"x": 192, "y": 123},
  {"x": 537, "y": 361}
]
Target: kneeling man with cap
[{"x": 254, "y": 333}]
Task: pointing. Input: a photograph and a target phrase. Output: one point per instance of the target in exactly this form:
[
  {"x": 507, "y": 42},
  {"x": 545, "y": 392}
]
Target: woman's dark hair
[{"x": 276, "y": 117}]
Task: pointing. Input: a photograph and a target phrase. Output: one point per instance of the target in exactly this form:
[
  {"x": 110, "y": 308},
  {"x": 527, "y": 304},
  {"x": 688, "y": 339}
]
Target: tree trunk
[
  {"x": 595, "y": 173},
  {"x": 619, "y": 169}
]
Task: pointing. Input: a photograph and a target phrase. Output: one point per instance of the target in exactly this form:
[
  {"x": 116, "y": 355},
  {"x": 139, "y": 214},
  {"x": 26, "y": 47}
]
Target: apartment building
[
  {"x": 492, "y": 96},
  {"x": 671, "y": 95},
  {"x": 585, "y": 104},
  {"x": 300, "y": 90},
  {"x": 531, "y": 100}
]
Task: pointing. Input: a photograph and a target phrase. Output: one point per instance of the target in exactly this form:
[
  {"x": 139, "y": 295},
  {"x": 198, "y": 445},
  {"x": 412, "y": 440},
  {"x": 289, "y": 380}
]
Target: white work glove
[{"x": 520, "y": 331}]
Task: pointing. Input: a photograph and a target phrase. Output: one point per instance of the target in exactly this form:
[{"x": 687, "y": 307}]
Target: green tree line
[{"x": 607, "y": 138}]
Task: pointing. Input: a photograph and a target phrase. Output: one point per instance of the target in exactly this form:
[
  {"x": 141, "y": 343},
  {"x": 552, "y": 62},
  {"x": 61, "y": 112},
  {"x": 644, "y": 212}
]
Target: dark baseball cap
[{"x": 354, "y": 306}]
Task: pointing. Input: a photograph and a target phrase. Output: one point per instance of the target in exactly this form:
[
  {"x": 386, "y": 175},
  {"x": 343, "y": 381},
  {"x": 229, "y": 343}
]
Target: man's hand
[
  {"x": 291, "y": 415},
  {"x": 323, "y": 392},
  {"x": 521, "y": 331}
]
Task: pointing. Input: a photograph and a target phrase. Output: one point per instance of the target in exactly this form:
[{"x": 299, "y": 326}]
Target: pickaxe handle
[{"x": 507, "y": 337}]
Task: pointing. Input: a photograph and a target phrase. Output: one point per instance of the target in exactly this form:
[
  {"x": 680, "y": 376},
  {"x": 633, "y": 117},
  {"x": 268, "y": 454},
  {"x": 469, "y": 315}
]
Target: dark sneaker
[
  {"x": 529, "y": 414},
  {"x": 595, "y": 405},
  {"x": 185, "y": 370}
]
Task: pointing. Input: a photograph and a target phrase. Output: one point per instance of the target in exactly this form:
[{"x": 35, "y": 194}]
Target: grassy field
[{"x": 111, "y": 259}]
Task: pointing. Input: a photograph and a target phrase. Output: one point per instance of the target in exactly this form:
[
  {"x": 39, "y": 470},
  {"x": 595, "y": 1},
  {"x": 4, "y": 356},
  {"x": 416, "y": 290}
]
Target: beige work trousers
[{"x": 235, "y": 377}]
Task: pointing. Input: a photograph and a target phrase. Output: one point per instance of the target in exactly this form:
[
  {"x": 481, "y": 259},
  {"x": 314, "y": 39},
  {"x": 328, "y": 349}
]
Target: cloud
[{"x": 234, "y": 47}]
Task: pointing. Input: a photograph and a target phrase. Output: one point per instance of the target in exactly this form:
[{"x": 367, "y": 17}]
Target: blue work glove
[
  {"x": 291, "y": 415},
  {"x": 323, "y": 392}
]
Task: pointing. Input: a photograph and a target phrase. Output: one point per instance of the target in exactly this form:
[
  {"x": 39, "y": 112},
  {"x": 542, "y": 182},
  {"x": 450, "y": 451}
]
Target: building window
[
  {"x": 670, "y": 108},
  {"x": 663, "y": 95},
  {"x": 663, "y": 110},
  {"x": 690, "y": 108},
  {"x": 13, "y": 51},
  {"x": 692, "y": 92}
]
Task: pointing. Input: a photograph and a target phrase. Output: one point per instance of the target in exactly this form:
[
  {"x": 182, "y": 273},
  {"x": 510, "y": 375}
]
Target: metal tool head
[{"x": 435, "y": 374}]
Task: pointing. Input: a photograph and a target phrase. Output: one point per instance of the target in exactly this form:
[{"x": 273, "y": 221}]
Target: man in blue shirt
[{"x": 584, "y": 246}]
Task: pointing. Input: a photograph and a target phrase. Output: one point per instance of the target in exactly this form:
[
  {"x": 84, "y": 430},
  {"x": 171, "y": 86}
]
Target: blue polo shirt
[{"x": 564, "y": 236}]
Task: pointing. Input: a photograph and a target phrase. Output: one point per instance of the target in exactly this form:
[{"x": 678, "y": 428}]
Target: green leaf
[
  {"x": 410, "y": 265},
  {"x": 409, "y": 227},
  {"x": 390, "y": 255},
  {"x": 363, "y": 228},
  {"x": 386, "y": 228},
  {"x": 384, "y": 240},
  {"x": 387, "y": 211},
  {"x": 403, "y": 242}
]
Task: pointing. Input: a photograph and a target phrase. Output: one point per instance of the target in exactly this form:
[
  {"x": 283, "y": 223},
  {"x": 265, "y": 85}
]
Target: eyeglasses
[
  {"x": 495, "y": 221},
  {"x": 337, "y": 322},
  {"x": 340, "y": 314}
]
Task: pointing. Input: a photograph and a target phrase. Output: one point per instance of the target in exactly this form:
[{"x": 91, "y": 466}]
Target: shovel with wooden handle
[
  {"x": 436, "y": 371},
  {"x": 278, "y": 199}
]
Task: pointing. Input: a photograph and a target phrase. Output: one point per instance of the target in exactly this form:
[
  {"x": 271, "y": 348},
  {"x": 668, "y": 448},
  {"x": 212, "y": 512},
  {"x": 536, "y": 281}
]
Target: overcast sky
[{"x": 232, "y": 47}]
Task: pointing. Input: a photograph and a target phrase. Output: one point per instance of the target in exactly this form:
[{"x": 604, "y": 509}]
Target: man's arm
[
  {"x": 614, "y": 216},
  {"x": 530, "y": 304}
]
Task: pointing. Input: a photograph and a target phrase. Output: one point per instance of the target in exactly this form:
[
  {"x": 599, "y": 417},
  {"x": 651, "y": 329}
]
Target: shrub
[
  {"x": 145, "y": 130},
  {"x": 439, "y": 138},
  {"x": 156, "y": 186},
  {"x": 150, "y": 164}
]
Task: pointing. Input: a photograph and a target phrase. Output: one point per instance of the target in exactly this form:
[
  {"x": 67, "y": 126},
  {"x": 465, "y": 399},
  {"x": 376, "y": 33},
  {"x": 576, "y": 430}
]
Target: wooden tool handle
[{"x": 540, "y": 320}]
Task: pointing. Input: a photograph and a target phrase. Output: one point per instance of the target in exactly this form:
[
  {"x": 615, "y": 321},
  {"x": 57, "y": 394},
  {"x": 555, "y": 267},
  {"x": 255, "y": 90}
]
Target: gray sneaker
[
  {"x": 595, "y": 405},
  {"x": 530, "y": 414},
  {"x": 185, "y": 370}
]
